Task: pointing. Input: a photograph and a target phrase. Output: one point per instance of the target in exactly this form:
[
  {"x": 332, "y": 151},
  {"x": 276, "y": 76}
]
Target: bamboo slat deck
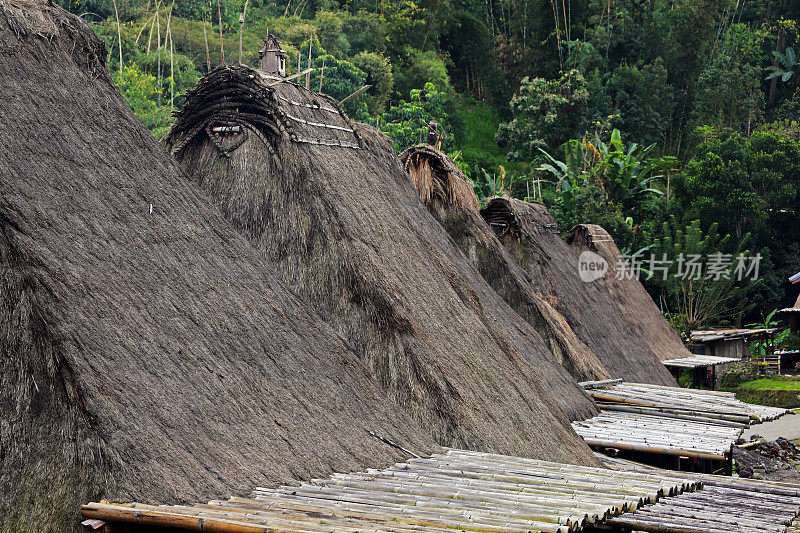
[
  {"x": 457, "y": 490},
  {"x": 696, "y": 361},
  {"x": 725, "y": 505},
  {"x": 661, "y": 400},
  {"x": 658, "y": 434}
]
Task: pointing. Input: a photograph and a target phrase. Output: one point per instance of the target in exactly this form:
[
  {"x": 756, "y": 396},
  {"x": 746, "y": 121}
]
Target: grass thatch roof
[
  {"x": 328, "y": 204},
  {"x": 147, "y": 351},
  {"x": 629, "y": 294},
  {"x": 448, "y": 196},
  {"x": 794, "y": 309},
  {"x": 531, "y": 234}
]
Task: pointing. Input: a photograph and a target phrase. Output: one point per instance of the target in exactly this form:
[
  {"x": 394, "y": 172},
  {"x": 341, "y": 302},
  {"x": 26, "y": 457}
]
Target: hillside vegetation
[{"x": 672, "y": 123}]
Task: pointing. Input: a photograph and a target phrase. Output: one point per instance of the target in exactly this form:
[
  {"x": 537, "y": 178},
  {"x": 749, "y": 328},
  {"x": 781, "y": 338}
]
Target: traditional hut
[
  {"x": 147, "y": 351},
  {"x": 448, "y": 196},
  {"x": 630, "y": 295},
  {"x": 328, "y": 205},
  {"x": 531, "y": 234}
]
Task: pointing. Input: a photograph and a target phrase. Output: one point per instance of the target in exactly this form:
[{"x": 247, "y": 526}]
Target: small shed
[
  {"x": 704, "y": 368},
  {"x": 731, "y": 342}
]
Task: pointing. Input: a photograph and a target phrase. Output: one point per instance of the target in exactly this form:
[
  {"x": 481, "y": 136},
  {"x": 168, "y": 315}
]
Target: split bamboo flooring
[
  {"x": 725, "y": 505},
  {"x": 457, "y": 490}
]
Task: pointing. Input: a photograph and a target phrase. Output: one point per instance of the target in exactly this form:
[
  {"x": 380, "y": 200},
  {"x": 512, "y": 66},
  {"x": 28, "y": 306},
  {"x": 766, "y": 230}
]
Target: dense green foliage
[{"x": 673, "y": 123}]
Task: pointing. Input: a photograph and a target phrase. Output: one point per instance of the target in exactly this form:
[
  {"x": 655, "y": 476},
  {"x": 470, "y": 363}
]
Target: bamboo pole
[
  {"x": 205, "y": 39},
  {"x": 321, "y": 76},
  {"x": 457, "y": 490},
  {"x": 221, "y": 46},
  {"x": 119, "y": 35},
  {"x": 241, "y": 29},
  {"x": 308, "y": 65}
]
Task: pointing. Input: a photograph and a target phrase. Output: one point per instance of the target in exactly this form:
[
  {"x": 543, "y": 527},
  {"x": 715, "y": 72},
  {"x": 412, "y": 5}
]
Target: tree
[
  {"x": 643, "y": 101},
  {"x": 407, "y": 122},
  {"x": 703, "y": 277},
  {"x": 378, "y": 70},
  {"x": 142, "y": 93},
  {"x": 546, "y": 114},
  {"x": 741, "y": 182}
]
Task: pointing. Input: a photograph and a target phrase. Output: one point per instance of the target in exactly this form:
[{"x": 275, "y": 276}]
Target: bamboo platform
[
  {"x": 725, "y": 505},
  {"x": 678, "y": 402},
  {"x": 696, "y": 361},
  {"x": 658, "y": 434},
  {"x": 457, "y": 490}
]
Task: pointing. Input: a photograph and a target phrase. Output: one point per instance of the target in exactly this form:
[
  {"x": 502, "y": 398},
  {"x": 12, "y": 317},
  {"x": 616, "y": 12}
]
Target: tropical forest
[{"x": 674, "y": 124}]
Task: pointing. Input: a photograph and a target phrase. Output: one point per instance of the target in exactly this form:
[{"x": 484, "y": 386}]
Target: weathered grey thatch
[
  {"x": 328, "y": 204},
  {"x": 448, "y": 196},
  {"x": 629, "y": 294},
  {"x": 597, "y": 317},
  {"x": 147, "y": 352}
]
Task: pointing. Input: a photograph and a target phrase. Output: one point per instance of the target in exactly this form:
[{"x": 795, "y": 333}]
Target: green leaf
[{"x": 616, "y": 140}]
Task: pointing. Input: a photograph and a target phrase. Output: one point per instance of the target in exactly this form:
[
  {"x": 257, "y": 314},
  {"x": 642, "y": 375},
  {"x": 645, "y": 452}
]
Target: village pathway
[{"x": 787, "y": 426}]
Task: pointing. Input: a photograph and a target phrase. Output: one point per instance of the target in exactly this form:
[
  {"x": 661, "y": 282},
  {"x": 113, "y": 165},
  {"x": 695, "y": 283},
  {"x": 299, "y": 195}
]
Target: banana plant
[
  {"x": 628, "y": 173},
  {"x": 787, "y": 67},
  {"x": 623, "y": 174},
  {"x": 563, "y": 173}
]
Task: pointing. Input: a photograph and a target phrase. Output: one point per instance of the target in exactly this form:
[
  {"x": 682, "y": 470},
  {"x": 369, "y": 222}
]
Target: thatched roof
[
  {"x": 147, "y": 351},
  {"x": 531, "y": 234},
  {"x": 631, "y": 297},
  {"x": 438, "y": 180},
  {"x": 448, "y": 196},
  {"x": 327, "y": 203},
  {"x": 794, "y": 309}
]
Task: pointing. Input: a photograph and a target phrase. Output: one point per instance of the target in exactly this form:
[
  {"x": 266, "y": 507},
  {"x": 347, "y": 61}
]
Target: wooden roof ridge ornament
[
  {"x": 273, "y": 56},
  {"x": 434, "y": 135}
]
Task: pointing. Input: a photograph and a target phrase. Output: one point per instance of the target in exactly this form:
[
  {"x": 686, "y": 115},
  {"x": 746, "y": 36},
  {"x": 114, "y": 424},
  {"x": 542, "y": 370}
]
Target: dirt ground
[{"x": 777, "y": 460}]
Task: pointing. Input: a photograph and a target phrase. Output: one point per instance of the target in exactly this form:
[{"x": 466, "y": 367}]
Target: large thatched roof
[
  {"x": 147, "y": 351},
  {"x": 629, "y": 294},
  {"x": 531, "y": 234},
  {"x": 448, "y": 196},
  {"x": 328, "y": 204}
]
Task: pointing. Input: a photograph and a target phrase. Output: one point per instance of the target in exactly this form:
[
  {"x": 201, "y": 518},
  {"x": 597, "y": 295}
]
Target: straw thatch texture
[
  {"x": 448, "y": 196},
  {"x": 531, "y": 234},
  {"x": 345, "y": 228},
  {"x": 147, "y": 352},
  {"x": 631, "y": 297}
]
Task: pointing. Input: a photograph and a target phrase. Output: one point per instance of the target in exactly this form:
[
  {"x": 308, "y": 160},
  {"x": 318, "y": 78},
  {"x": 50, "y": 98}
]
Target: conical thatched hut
[
  {"x": 629, "y": 294},
  {"x": 531, "y": 234},
  {"x": 147, "y": 352},
  {"x": 448, "y": 196},
  {"x": 327, "y": 203}
]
